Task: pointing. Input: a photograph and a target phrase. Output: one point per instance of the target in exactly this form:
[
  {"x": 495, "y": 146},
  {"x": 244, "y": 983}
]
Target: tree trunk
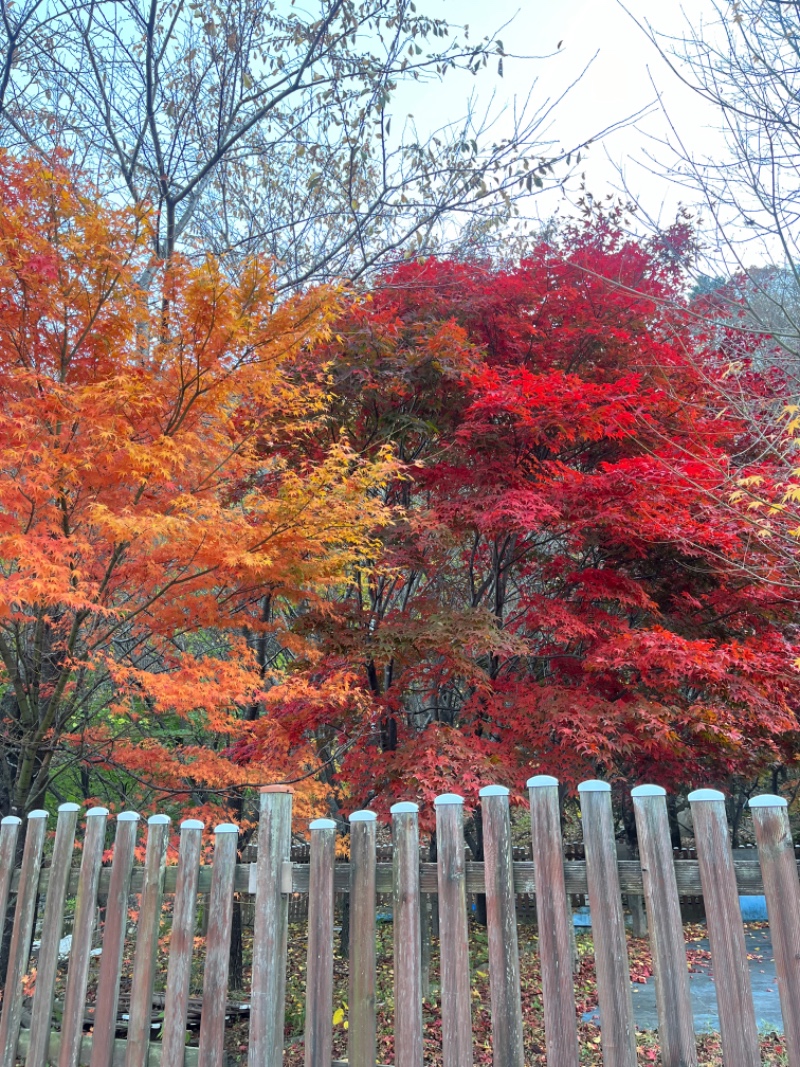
[
  {"x": 674, "y": 823},
  {"x": 473, "y": 832},
  {"x": 236, "y": 952}
]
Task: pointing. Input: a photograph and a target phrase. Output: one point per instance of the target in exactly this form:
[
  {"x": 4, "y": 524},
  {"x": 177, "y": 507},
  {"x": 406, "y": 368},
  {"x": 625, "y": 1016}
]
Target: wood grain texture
[
  {"x": 181, "y": 946},
  {"x": 617, "y": 1029},
  {"x": 673, "y": 999},
  {"x": 558, "y": 991},
  {"x": 426, "y": 937},
  {"x": 407, "y": 949},
  {"x": 94, "y": 840},
  {"x": 270, "y": 926},
  {"x": 361, "y": 1033},
  {"x": 147, "y": 933},
  {"x": 687, "y": 876},
  {"x": 453, "y": 933},
  {"x": 501, "y": 916},
  {"x": 116, "y": 925},
  {"x": 220, "y": 920},
  {"x": 52, "y": 929},
  {"x": 19, "y": 950},
  {"x": 9, "y": 833},
  {"x": 740, "y": 1044},
  {"x": 319, "y": 968},
  {"x": 782, "y": 890}
]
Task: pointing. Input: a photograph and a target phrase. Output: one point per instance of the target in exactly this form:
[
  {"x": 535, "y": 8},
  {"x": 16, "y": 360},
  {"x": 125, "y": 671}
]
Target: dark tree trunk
[
  {"x": 674, "y": 824},
  {"x": 473, "y": 831},
  {"x": 344, "y": 933},
  {"x": 433, "y": 855},
  {"x": 236, "y": 953}
]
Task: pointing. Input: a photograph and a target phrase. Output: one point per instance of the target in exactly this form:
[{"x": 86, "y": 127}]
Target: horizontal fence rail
[
  {"x": 73, "y": 1011},
  {"x": 294, "y": 878}
]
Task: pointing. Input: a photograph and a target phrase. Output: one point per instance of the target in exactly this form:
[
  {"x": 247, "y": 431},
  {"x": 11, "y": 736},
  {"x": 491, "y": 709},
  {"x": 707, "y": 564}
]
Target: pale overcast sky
[{"x": 620, "y": 81}]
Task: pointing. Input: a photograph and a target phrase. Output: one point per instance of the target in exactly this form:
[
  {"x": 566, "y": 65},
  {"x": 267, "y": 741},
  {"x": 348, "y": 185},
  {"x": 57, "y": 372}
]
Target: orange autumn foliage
[{"x": 149, "y": 502}]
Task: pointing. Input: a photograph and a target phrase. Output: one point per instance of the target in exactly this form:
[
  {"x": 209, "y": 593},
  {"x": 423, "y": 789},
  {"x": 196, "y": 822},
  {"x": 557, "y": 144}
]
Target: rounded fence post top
[
  {"x": 594, "y": 785},
  {"x": 159, "y": 820},
  {"x": 322, "y": 824},
  {"x": 276, "y": 789},
  {"x": 363, "y": 816},
  {"x": 494, "y": 791},
  {"x": 404, "y": 807},
  {"x": 648, "y": 791},
  {"x": 192, "y": 824},
  {"x": 10, "y": 820},
  {"x": 768, "y": 801},
  {"x": 540, "y": 780},
  {"x": 92, "y": 812},
  {"x": 705, "y": 794},
  {"x": 226, "y": 828},
  {"x": 40, "y": 813},
  {"x": 69, "y": 807},
  {"x": 128, "y": 816},
  {"x": 447, "y": 798}
]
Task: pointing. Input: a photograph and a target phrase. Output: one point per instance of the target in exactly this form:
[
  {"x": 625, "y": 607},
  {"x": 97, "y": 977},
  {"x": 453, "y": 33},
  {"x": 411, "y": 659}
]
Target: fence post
[
  {"x": 82, "y": 928},
  {"x": 9, "y": 832},
  {"x": 361, "y": 1034},
  {"x": 673, "y": 999},
  {"x": 116, "y": 925},
  {"x": 638, "y": 915},
  {"x": 740, "y": 1044},
  {"x": 211, "y": 1050},
  {"x": 501, "y": 917},
  {"x": 406, "y": 922},
  {"x": 319, "y": 973},
  {"x": 617, "y": 1030},
  {"x": 147, "y": 930},
  {"x": 181, "y": 945},
  {"x": 21, "y": 936},
  {"x": 52, "y": 929},
  {"x": 782, "y": 890},
  {"x": 558, "y": 991},
  {"x": 453, "y": 932},
  {"x": 270, "y": 928}
]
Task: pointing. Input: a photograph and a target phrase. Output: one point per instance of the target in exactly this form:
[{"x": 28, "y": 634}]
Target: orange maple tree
[{"x": 154, "y": 531}]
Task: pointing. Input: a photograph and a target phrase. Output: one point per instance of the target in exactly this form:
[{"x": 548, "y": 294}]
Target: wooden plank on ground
[{"x": 85, "y": 1052}]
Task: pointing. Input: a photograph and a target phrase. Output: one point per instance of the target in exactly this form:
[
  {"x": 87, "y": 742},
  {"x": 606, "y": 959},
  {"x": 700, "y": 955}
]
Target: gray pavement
[{"x": 704, "y": 996}]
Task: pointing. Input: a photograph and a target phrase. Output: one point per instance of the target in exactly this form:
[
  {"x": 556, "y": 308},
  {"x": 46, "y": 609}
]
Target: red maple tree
[{"x": 558, "y": 592}]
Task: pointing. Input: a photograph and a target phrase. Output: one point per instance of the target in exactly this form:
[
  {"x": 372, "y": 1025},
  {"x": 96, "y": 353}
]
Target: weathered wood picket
[{"x": 88, "y": 1035}]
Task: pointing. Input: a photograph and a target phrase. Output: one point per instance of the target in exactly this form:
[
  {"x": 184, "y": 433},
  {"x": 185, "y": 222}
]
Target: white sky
[{"x": 624, "y": 77}]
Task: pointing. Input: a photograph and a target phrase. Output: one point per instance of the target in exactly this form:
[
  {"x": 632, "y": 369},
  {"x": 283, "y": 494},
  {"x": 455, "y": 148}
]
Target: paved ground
[{"x": 704, "y": 996}]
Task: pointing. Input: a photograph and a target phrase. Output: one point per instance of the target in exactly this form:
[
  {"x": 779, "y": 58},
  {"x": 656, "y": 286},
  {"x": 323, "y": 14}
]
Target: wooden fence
[{"x": 270, "y": 881}]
